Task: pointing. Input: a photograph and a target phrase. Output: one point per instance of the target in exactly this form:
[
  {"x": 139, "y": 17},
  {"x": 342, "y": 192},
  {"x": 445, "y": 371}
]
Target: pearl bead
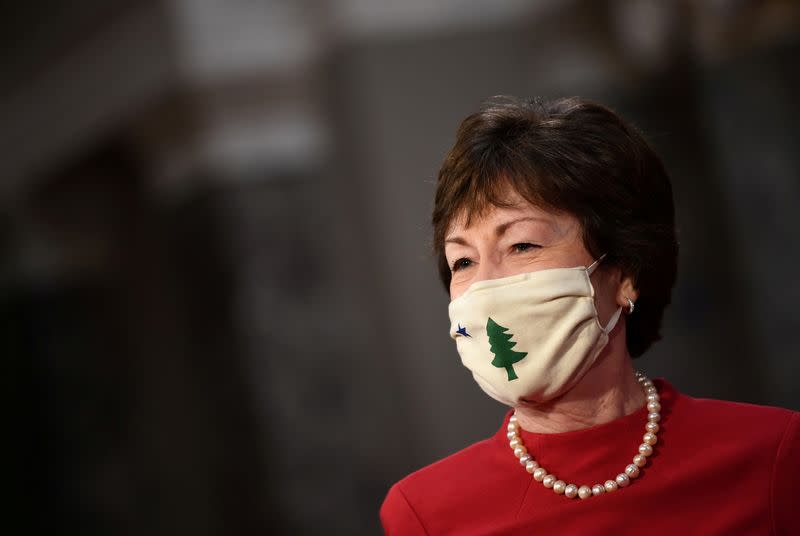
[
  {"x": 632, "y": 470},
  {"x": 622, "y": 480}
]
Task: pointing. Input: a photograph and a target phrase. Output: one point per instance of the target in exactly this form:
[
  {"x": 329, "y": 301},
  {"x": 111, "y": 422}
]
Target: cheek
[
  {"x": 523, "y": 262},
  {"x": 457, "y": 288},
  {"x": 461, "y": 279}
]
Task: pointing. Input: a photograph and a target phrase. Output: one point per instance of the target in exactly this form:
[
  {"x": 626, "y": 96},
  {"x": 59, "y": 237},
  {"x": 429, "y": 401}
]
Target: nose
[{"x": 489, "y": 268}]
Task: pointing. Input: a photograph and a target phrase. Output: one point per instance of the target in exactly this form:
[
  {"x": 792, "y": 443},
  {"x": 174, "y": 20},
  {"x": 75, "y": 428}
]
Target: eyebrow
[{"x": 500, "y": 229}]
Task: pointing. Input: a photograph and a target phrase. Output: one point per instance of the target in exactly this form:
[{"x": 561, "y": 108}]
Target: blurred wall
[{"x": 221, "y": 313}]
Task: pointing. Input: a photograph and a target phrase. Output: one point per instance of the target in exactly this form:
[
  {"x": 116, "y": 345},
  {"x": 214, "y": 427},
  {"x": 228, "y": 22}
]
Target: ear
[{"x": 626, "y": 290}]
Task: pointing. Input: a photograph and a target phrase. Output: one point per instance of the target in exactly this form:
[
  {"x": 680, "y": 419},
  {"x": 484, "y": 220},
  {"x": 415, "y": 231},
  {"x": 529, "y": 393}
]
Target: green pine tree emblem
[{"x": 501, "y": 346}]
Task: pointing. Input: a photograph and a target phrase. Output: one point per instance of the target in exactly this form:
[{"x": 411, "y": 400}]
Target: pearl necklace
[{"x": 622, "y": 480}]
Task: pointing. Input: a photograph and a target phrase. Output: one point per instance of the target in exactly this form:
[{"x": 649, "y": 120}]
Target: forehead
[{"x": 515, "y": 207}]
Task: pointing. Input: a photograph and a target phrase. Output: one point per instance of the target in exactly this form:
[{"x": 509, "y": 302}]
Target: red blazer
[{"x": 718, "y": 468}]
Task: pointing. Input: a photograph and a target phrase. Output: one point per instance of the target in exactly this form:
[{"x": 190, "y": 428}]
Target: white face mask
[{"x": 530, "y": 337}]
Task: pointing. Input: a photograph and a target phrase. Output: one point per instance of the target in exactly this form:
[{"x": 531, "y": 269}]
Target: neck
[{"x": 609, "y": 390}]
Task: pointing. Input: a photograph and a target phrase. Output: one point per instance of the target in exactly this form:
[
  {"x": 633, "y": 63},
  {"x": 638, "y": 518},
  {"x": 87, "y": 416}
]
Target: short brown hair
[{"x": 580, "y": 157}]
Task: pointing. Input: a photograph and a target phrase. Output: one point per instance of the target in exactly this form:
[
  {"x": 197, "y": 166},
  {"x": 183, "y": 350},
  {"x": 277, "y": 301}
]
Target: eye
[
  {"x": 524, "y": 246},
  {"x": 461, "y": 263}
]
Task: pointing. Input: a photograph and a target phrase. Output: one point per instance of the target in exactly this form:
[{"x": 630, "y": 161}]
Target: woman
[{"x": 554, "y": 226}]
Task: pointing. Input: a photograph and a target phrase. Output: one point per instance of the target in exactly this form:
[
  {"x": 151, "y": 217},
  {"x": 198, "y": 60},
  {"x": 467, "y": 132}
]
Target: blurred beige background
[{"x": 220, "y": 314}]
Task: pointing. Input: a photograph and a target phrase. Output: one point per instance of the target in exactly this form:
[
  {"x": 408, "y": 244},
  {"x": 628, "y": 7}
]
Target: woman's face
[{"x": 525, "y": 238}]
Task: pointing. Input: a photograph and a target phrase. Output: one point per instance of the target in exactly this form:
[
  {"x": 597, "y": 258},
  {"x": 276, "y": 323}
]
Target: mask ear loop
[
  {"x": 612, "y": 322},
  {"x": 591, "y": 268}
]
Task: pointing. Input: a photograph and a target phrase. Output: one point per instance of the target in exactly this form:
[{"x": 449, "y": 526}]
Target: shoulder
[
  {"x": 409, "y": 505},
  {"x": 751, "y": 448},
  {"x": 439, "y": 494},
  {"x": 737, "y": 418},
  {"x": 682, "y": 413},
  {"x": 452, "y": 469},
  {"x": 731, "y": 430},
  {"x": 767, "y": 438},
  {"x": 448, "y": 475}
]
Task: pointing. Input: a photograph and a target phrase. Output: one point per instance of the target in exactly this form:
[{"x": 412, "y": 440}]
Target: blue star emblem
[{"x": 462, "y": 331}]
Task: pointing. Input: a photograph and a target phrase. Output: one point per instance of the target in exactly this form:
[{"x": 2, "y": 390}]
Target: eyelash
[
  {"x": 457, "y": 265},
  {"x": 521, "y": 247},
  {"x": 528, "y": 246}
]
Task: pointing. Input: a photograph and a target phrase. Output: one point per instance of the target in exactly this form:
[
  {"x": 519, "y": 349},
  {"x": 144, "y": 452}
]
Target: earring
[{"x": 631, "y": 306}]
